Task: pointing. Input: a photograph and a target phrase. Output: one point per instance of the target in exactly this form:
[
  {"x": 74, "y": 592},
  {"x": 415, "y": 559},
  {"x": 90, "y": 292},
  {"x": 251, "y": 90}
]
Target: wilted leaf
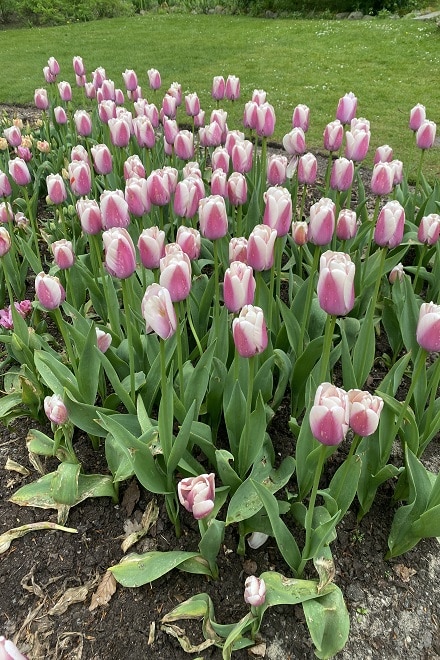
[
  {"x": 16, "y": 467},
  {"x": 15, "y": 533},
  {"x": 259, "y": 650},
  {"x": 183, "y": 640},
  {"x": 104, "y": 592},
  {"x": 150, "y": 516},
  {"x": 72, "y": 596},
  {"x": 404, "y": 572},
  {"x": 326, "y": 572}
]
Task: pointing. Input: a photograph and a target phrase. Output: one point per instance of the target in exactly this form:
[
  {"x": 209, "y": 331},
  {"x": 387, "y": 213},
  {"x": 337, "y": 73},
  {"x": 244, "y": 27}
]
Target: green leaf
[
  {"x": 56, "y": 375},
  {"x": 181, "y": 442},
  {"x": 235, "y": 417},
  {"x": 88, "y": 368},
  {"x": 64, "y": 485},
  {"x": 343, "y": 486},
  {"x": 252, "y": 438},
  {"x": 198, "y": 382},
  {"x": 290, "y": 591},
  {"x": 364, "y": 350},
  {"x": 328, "y": 622},
  {"x": 136, "y": 570}
]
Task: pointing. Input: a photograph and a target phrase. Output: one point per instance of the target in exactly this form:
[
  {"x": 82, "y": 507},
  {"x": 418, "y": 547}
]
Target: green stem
[
  {"x": 370, "y": 238},
  {"x": 263, "y": 165},
  {"x": 328, "y": 173},
  {"x": 192, "y": 327},
  {"x": 326, "y": 349},
  {"x": 217, "y": 289},
  {"x": 180, "y": 355},
  {"x": 419, "y": 170},
  {"x": 432, "y": 398},
  {"x": 34, "y": 226},
  {"x": 303, "y": 200},
  {"x": 126, "y": 297},
  {"x": 354, "y": 445},
  {"x": 239, "y": 220},
  {"x": 66, "y": 338},
  {"x": 419, "y": 265},
  {"x": 310, "y": 510},
  {"x": 418, "y": 368},
  {"x": 243, "y": 448},
  {"x": 308, "y": 302}
]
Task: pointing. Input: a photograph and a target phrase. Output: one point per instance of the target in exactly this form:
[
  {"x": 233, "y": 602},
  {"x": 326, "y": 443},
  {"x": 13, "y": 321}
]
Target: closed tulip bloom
[
  {"x": 425, "y": 136},
  {"x": 347, "y": 225},
  {"x": 278, "y": 209},
  {"x": 307, "y": 169},
  {"x": 259, "y": 96},
  {"x": 429, "y": 229},
  {"x": 13, "y": 136},
  {"x": 300, "y": 231},
  {"x": 250, "y": 115},
  {"x": 5, "y": 186},
  {"x": 210, "y": 135},
  {"x": 170, "y": 129},
  {"x": 49, "y": 291},
  {"x": 358, "y": 142},
  {"x": 80, "y": 178},
  {"x": 260, "y": 249},
  {"x": 384, "y": 154},
  {"x": 218, "y": 88},
  {"x": 187, "y": 197},
  {"x": 114, "y": 209},
  {"x": 107, "y": 111},
  {"x": 189, "y": 239},
  {"x": 158, "y": 311},
  {"x": 398, "y": 171},
  {"x": 220, "y": 159},
  {"x": 237, "y": 189},
  {"x": 63, "y": 254},
  {"x": 249, "y": 331},
  {"x": 107, "y": 91},
  {"x": 197, "y": 494},
  {"x": 102, "y": 159},
  {"x": 98, "y": 76},
  {"x": 56, "y": 412},
  {"x": 254, "y": 591},
  {"x": 90, "y": 216},
  {"x": 322, "y": 221},
  {"x": 336, "y": 283},
  {"x": 151, "y": 246},
  {"x": 390, "y": 225},
  {"x": 90, "y": 90},
  {"x": 79, "y": 153},
  {"x": 158, "y": 185},
  {"x": 49, "y": 77},
  {"x": 120, "y": 256},
  {"x": 65, "y": 91},
  {"x": 428, "y": 327},
  {"x": 199, "y": 120},
  {"x": 136, "y": 196},
  {"x": 417, "y": 116},
  {"x": 329, "y": 415},
  {"x": 53, "y": 65},
  {"x": 184, "y": 145},
  {"x": 265, "y": 118},
  {"x": 167, "y": 148},
  {"x": 397, "y": 273},
  {"x": 120, "y": 131},
  {"x": 256, "y": 540},
  {"x": 219, "y": 183},
  {"x": 130, "y": 79},
  {"x": 238, "y": 249},
  {"x": 232, "y": 137},
  {"x": 295, "y": 142},
  {"x": 169, "y": 106},
  {"x": 154, "y": 79},
  {"x": 238, "y": 286},
  {"x": 333, "y": 135},
  {"x": 60, "y": 115},
  {"x": 342, "y": 174},
  {"x": 232, "y": 88},
  {"x": 382, "y": 179},
  {"x": 172, "y": 174},
  {"x": 40, "y": 99},
  {"x": 5, "y": 241},
  {"x": 175, "y": 90},
  {"x": 192, "y": 104},
  {"x": 175, "y": 274},
  {"x": 19, "y": 171},
  {"x": 276, "y": 169},
  {"x": 78, "y": 66},
  {"x": 56, "y": 188},
  {"x": 346, "y": 109},
  {"x": 365, "y": 410},
  {"x": 144, "y": 132},
  {"x": 6, "y": 212},
  {"x": 133, "y": 166},
  {"x": 83, "y": 122},
  {"x": 213, "y": 218},
  {"x": 103, "y": 340},
  {"x": 301, "y": 117},
  {"x": 26, "y": 154}
]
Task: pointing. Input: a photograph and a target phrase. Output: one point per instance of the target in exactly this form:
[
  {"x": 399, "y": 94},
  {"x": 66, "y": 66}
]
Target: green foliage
[{"x": 53, "y": 12}]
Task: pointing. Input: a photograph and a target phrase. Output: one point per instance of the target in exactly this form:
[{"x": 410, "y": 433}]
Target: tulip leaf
[
  {"x": 85, "y": 417},
  {"x": 343, "y": 486},
  {"x": 114, "y": 379},
  {"x": 252, "y": 437},
  {"x": 328, "y": 623},
  {"x": 136, "y": 570},
  {"x": 198, "y": 381},
  {"x": 235, "y": 412},
  {"x": 290, "y": 591},
  {"x": 181, "y": 441},
  {"x": 365, "y": 347},
  {"x": 88, "y": 368},
  {"x": 408, "y": 313},
  {"x": 225, "y": 471},
  {"x": 56, "y": 375}
]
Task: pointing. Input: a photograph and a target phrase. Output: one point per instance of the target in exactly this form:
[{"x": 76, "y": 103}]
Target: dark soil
[{"x": 394, "y": 605}]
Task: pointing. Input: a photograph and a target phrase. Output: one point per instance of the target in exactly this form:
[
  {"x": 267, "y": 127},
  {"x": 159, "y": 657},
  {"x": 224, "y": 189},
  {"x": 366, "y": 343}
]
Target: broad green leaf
[
  {"x": 88, "y": 368},
  {"x": 364, "y": 350},
  {"x": 56, "y": 375},
  {"x": 136, "y": 570},
  {"x": 198, "y": 382},
  {"x": 328, "y": 623},
  {"x": 181, "y": 441},
  {"x": 290, "y": 591}
]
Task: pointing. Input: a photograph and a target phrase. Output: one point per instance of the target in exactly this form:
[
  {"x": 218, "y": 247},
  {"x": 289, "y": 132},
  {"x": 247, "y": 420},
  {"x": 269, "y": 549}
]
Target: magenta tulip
[
  {"x": 197, "y": 494},
  {"x": 329, "y": 415},
  {"x": 213, "y": 218},
  {"x": 364, "y": 412},
  {"x": 260, "y": 248},
  {"x": 49, "y": 291},
  {"x": 249, "y": 331},
  {"x": 428, "y": 327},
  {"x": 120, "y": 256},
  {"x": 336, "y": 283},
  {"x": 322, "y": 221},
  {"x": 158, "y": 311},
  {"x": 238, "y": 286},
  {"x": 390, "y": 225}
]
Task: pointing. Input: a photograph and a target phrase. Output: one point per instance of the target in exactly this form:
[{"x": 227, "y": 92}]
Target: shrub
[{"x": 52, "y": 12}]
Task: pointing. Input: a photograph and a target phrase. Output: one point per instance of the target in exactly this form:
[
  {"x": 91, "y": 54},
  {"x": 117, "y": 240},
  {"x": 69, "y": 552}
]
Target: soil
[{"x": 393, "y": 605}]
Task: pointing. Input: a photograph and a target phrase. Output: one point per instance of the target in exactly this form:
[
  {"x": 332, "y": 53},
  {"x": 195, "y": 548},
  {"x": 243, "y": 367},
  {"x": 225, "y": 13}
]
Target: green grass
[{"x": 389, "y": 64}]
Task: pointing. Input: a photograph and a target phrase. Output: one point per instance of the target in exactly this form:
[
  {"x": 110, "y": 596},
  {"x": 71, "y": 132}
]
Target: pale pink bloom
[
  {"x": 295, "y": 142},
  {"x": 232, "y": 88},
  {"x": 60, "y": 115},
  {"x": 120, "y": 256},
  {"x": 254, "y": 591},
  {"x": 136, "y": 196},
  {"x": 219, "y": 183},
  {"x": 220, "y": 159},
  {"x": 130, "y": 79},
  {"x": 365, "y": 409},
  {"x": 107, "y": 111},
  {"x": 218, "y": 88},
  {"x": 53, "y": 65},
  {"x": 417, "y": 116},
  {"x": 189, "y": 239},
  {"x": 133, "y": 166},
  {"x": 13, "y": 136},
  {"x": 428, "y": 327},
  {"x": 65, "y": 91},
  {"x": 19, "y": 171},
  {"x": 342, "y": 174},
  {"x": 335, "y": 288},
  {"x": 89, "y": 214},
  {"x": 238, "y": 249},
  {"x": 329, "y": 415},
  {"x": 237, "y": 189},
  {"x": 120, "y": 131},
  {"x": 250, "y": 115},
  {"x": 384, "y": 154},
  {"x": 278, "y": 209},
  {"x": 192, "y": 104},
  {"x": 79, "y": 153},
  {"x": 260, "y": 249},
  {"x": 175, "y": 90},
  {"x": 398, "y": 171},
  {"x": 357, "y": 144},
  {"x": 197, "y": 494},
  {"x": 151, "y": 246},
  {"x": 5, "y": 186},
  {"x": 213, "y": 218},
  {"x": 347, "y": 224},
  {"x": 322, "y": 221},
  {"x": 6, "y": 212},
  {"x": 49, "y": 291},
  {"x": 307, "y": 169},
  {"x": 102, "y": 159},
  {"x": 232, "y": 137},
  {"x": 63, "y": 254},
  {"x": 175, "y": 274},
  {"x": 98, "y": 77},
  {"x": 429, "y": 229},
  {"x": 158, "y": 311},
  {"x": 238, "y": 286},
  {"x": 83, "y": 122},
  {"x": 382, "y": 179},
  {"x": 276, "y": 169},
  {"x": 114, "y": 209},
  {"x": 346, "y": 109},
  {"x": 158, "y": 186},
  {"x": 56, "y": 189},
  {"x": 390, "y": 225},
  {"x": 154, "y": 79},
  {"x": 103, "y": 340},
  {"x": 144, "y": 132},
  {"x": 259, "y": 96},
  {"x": 300, "y": 230},
  {"x": 184, "y": 145},
  {"x": 301, "y": 117},
  {"x": 187, "y": 197},
  {"x": 169, "y": 106},
  {"x": 170, "y": 129},
  {"x": 78, "y": 66},
  {"x": 41, "y": 99},
  {"x": 425, "y": 136},
  {"x": 210, "y": 135},
  {"x": 333, "y": 135},
  {"x": 265, "y": 120},
  {"x": 249, "y": 331}
]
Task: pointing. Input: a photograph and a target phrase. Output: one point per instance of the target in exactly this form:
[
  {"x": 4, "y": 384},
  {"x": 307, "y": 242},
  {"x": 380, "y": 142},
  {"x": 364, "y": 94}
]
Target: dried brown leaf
[
  {"x": 104, "y": 592},
  {"x": 16, "y": 467},
  {"x": 69, "y": 597},
  {"x": 404, "y": 572}
]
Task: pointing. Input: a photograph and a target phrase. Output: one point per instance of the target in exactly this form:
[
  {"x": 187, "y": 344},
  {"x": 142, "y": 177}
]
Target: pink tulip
[
  {"x": 175, "y": 90},
  {"x": 184, "y": 145},
  {"x": 5, "y": 186},
  {"x": 238, "y": 286},
  {"x": 249, "y": 331},
  {"x": 333, "y": 135},
  {"x": 56, "y": 189},
  {"x": 398, "y": 171},
  {"x": 187, "y": 197},
  {"x": 278, "y": 209},
  {"x": 40, "y": 99},
  {"x": 336, "y": 283},
  {"x": 254, "y": 591},
  {"x": 238, "y": 246},
  {"x": 154, "y": 79},
  {"x": 260, "y": 249},
  {"x": 429, "y": 229},
  {"x": 54, "y": 67},
  {"x": 114, "y": 209},
  {"x": 120, "y": 256},
  {"x": 158, "y": 186},
  {"x": 55, "y": 410},
  {"x": 83, "y": 122},
  {"x": 98, "y": 77},
  {"x": 107, "y": 91},
  {"x": 120, "y": 131},
  {"x": 167, "y": 148},
  {"x": 6, "y": 212},
  {"x": 5, "y": 241},
  {"x": 175, "y": 274},
  {"x": 237, "y": 189},
  {"x": 259, "y": 96},
  {"x": 169, "y": 106},
  {"x": 428, "y": 327},
  {"x": 90, "y": 90},
  {"x": 49, "y": 77},
  {"x": 13, "y": 136},
  {"x": 276, "y": 169},
  {"x": 170, "y": 130},
  {"x": 384, "y": 154},
  {"x": 65, "y": 91},
  {"x": 158, "y": 311},
  {"x": 307, "y": 169},
  {"x": 232, "y": 88},
  {"x": 417, "y": 116},
  {"x": 144, "y": 132},
  {"x": 322, "y": 221},
  {"x": 295, "y": 142},
  {"x": 218, "y": 88},
  {"x": 382, "y": 179},
  {"x": 346, "y": 109},
  {"x": 219, "y": 183},
  {"x": 301, "y": 117},
  {"x": 103, "y": 340},
  {"x": 172, "y": 174},
  {"x": 63, "y": 254},
  {"x": 192, "y": 104},
  {"x": 300, "y": 231},
  {"x": 197, "y": 494},
  {"x": 250, "y": 115},
  {"x": 425, "y": 136},
  {"x": 342, "y": 174},
  {"x": 60, "y": 115},
  {"x": 265, "y": 118},
  {"x": 192, "y": 170},
  {"x": 210, "y": 135},
  {"x": 242, "y": 156},
  {"x": 78, "y": 66},
  {"x": 390, "y": 225},
  {"x": 220, "y": 159},
  {"x": 213, "y": 218},
  {"x": 49, "y": 291},
  {"x": 107, "y": 111},
  {"x": 189, "y": 240},
  {"x": 396, "y": 274},
  {"x": 364, "y": 412},
  {"x": 329, "y": 415},
  {"x": 90, "y": 216},
  {"x": 133, "y": 166},
  {"x": 151, "y": 246},
  {"x": 136, "y": 196},
  {"x": 79, "y": 153},
  {"x": 347, "y": 225},
  {"x": 19, "y": 171},
  {"x": 357, "y": 144},
  {"x": 102, "y": 159},
  {"x": 130, "y": 79},
  {"x": 199, "y": 120},
  {"x": 26, "y": 154}
]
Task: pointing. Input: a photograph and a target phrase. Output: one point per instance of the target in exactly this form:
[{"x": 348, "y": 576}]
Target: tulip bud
[
  {"x": 13, "y": 136},
  {"x": 336, "y": 283},
  {"x": 19, "y": 171},
  {"x": 151, "y": 245},
  {"x": 56, "y": 189},
  {"x": 382, "y": 179},
  {"x": 346, "y": 225},
  {"x": 120, "y": 131},
  {"x": 249, "y": 331},
  {"x": 114, "y": 209},
  {"x": 130, "y": 79},
  {"x": 158, "y": 186},
  {"x": 259, "y": 96},
  {"x": 358, "y": 142},
  {"x": 5, "y": 241},
  {"x": 210, "y": 135},
  {"x": 80, "y": 178},
  {"x": 398, "y": 171},
  {"x": 79, "y": 153},
  {"x": 218, "y": 88},
  {"x": 103, "y": 340},
  {"x": 428, "y": 327},
  {"x": 60, "y": 115},
  {"x": 65, "y": 91},
  {"x": 329, "y": 415},
  {"x": 238, "y": 286},
  {"x": 346, "y": 109},
  {"x": 98, "y": 77},
  {"x": 342, "y": 174},
  {"x": 237, "y": 189},
  {"x": 397, "y": 273},
  {"x": 49, "y": 291},
  {"x": 301, "y": 117},
  {"x": 429, "y": 229},
  {"x": 417, "y": 116},
  {"x": 278, "y": 209},
  {"x": 63, "y": 254},
  {"x": 322, "y": 221},
  {"x": 242, "y": 156},
  {"x": 219, "y": 183},
  {"x": 295, "y": 142},
  {"x": 333, "y": 135},
  {"x": 5, "y": 186},
  {"x": 364, "y": 412},
  {"x": 238, "y": 249},
  {"x": 55, "y": 409},
  {"x": 6, "y": 212},
  {"x": 120, "y": 255},
  {"x": 265, "y": 120},
  {"x": 384, "y": 154},
  {"x": 425, "y": 136},
  {"x": 213, "y": 218},
  {"x": 89, "y": 214},
  {"x": 250, "y": 115},
  {"x": 83, "y": 122},
  {"x": 390, "y": 225},
  {"x": 192, "y": 104},
  {"x": 106, "y": 111},
  {"x": 102, "y": 159},
  {"x": 158, "y": 311},
  {"x": 276, "y": 170},
  {"x": 254, "y": 591},
  {"x": 260, "y": 249},
  {"x": 175, "y": 274},
  {"x": 154, "y": 79},
  {"x": 189, "y": 240},
  {"x": 232, "y": 88},
  {"x": 300, "y": 230},
  {"x": 144, "y": 132},
  {"x": 220, "y": 159},
  {"x": 307, "y": 169},
  {"x": 187, "y": 197},
  {"x": 78, "y": 66},
  {"x": 40, "y": 99},
  {"x": 197, "y": 494},
  {"x": 184, "y": 145}
]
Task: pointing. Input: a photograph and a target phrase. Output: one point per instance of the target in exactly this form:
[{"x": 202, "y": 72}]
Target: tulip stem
[
  {"x": 354, "y": 445},
  {"x": 326, "y": 349},
  {"x": 419, "y": 265},
  {"x": 239, "y": 220},
  {"x": 370, "y": 239},
  {"x": 263, "y": 165},
  {"x": 309, "y": 513},
  {"x": 217, "y": 290},
  {"x": 243, "y": 447},
  {"x": 192, "y": 327},
  {"x": 328, "y": 173},
  {"x": 308, "y": 302},
  {"x": 303, "y": 200},
  {"x": 432, "y": 398},
  {"x": 419, "y": 170},
  {"x": 419, "y": 365},
  {"x": 179, "y": 353},
  {"x": 34, "y": 226},
  {"x": 126, "y": 297}
]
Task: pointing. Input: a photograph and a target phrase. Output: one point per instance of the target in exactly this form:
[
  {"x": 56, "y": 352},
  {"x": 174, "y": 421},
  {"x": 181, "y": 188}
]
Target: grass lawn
[{"x": 389, "y": 64}]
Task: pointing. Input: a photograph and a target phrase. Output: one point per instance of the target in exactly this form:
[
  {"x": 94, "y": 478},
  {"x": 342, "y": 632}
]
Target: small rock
[
  {"x": 354, "y": 593},
  {"x": 355, "y": 16},
  {"x": 342, "y": 15}
]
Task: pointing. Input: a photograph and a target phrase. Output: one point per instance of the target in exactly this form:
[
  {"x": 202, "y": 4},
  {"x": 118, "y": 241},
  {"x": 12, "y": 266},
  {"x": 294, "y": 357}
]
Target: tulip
[
  {"x": 213, "y": 218},
  {"x": 364, "y": 412},
  {"x": 65, "y": 91},
  {"x": 300, "y": 231},
  {"x": 172, "y": 175},
  {"x": 136, "y": 196},
  {"x": 250, "y": 115},
  {"x": 167, "y": 148},
  {"x": 219, "y": 183},
  {"x": 278, "y": 209},
  {"x": 19, "y": 171},
  {"x": 78, "y": 66},
  {"x": 55, "y": 409},
  {"x": 144, "y": 132},
  {"x": 103, "y": 340},
  {"x": 79, "y": 153},
  {"x": 54, "y": 67},
  {"x": 98, "y": 77},
  {"x": 260, "y": 249},
  {"x": 169, "y": 106},
  {"x": 307, "y": 169},
  {"x": 329, "y": 415},
  {"x": 151, "y": 246},
  {"x": 397, "y": 273},
  {"x": 106, "y": 111},
  {"x": 428, "y": 327},
  {"x": 90, "y": 216},
  {"x": 301, "y": 117},
  {"x": 218, "y": 88},
  {"x": 265, "y": 120},
  {"x": 342, "y": 174},
  {"x": 429, "y": 229},
  {"x": 249, "y": 331},
  {"x": 425, "y": 136},
  {"x": 83, "y": 122},
  {"x": 398, "y": 171},
  {"x": 175, "y": 274},
  {"x": 384, "y": 154},
  {"x": 49, "y": 77},
  {"x": 242, "y": 156},
  {"x": 114, "y": 209},
  {"x": 276, "y": 170},
  {"x": 238, "y": 249},
  {"x": 390, "y": 225},
  {"x": 237, "y": 189},
  {"x": 63, "y": 254},
  {"x": 6, "y": 212},
  {"x": 210, "y": 135},
  {"x": 358, "y": 142},
  {"x": 5, "y": 186},
  {"x": 49, "y": 291},
  {"x": 417, "y": 116},
  {"x": 107, "y": 91},
  {"x": 187, "y": 197},
  {"x": 133, "y": 166},
  {"x": 259, "y": 96},
  {"x": 346, "y": 225},
  {"x": 184, "y": 145},
  {"x": 80, "y": 81},
  {"x": 199, "y": 120},
  {"x": 120, "y": 256},
  {"x": 60, "y": 115},
  {"x": 238, "y": 286},
  {"x": 5, "y": 241},
  {"x": 154, "y": 79},
  {"x": 346, "y": 109},
  {"x": 120, "y": 131},
  {"x": 158, "y": 186},
  {"x": 175, "y": 90},
  {"x": 257, "y": 539},
  {"x": 102, "y": 159},
  {"x": 254, "y": 591},
  {"x": 322, "y": 221},
  {"x": 232, "y": 88},
  {"x": 295, "y": 142},
  {"x": 80, "y": 178},
  {"x": 192, "y": 104},
  {"x": 56, "y": 189},
  {"x": 13, "y": 136},
  {"x": 40, "y": 99},
  {"x": 90, "y": 90},
  {"x": 220, "y": 159},
  {"x": 130, "y": 79},
  {"x": 197, "y": 494},
  {"x": 333, "y": 135},
  {"x": 382, "y": 179},
  {"x": 170, "y": 130},
  {"x": 158, "y": 311},
  {"x": 189, "y": 240},
  {"x": 336, "y": 283}
]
